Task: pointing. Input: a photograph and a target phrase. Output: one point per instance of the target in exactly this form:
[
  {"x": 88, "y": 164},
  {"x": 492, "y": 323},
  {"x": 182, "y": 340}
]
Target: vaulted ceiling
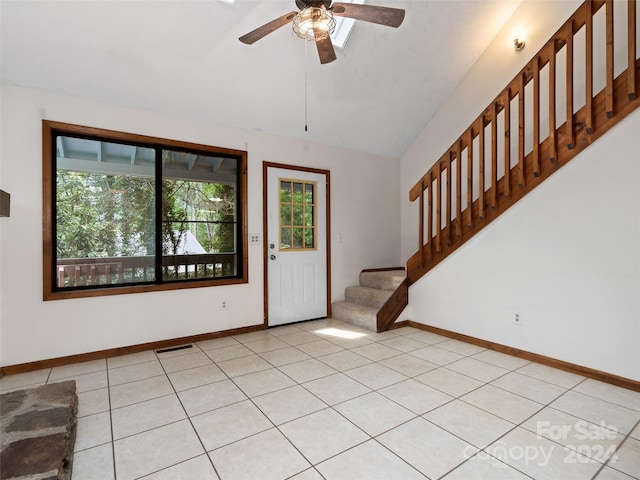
[{"x": 183, "y": 57}]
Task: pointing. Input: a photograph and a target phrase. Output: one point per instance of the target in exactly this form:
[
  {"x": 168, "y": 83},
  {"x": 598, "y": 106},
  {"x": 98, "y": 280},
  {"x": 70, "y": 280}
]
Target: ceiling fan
[{"x": 315, "y": 22}]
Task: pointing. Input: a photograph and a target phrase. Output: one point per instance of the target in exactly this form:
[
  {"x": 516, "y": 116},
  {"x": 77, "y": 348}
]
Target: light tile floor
[{"x": 324, "y": 399}]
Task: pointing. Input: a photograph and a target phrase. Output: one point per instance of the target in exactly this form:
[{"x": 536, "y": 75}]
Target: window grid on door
[{"x": 297, "y": 215}]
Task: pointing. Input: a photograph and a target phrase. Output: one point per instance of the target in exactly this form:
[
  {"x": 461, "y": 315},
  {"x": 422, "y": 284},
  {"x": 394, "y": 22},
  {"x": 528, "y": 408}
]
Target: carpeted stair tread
[
  {"x": 383, "y": 280},
  {"x": 356, "y": 314},
  {"x": 372, "y": 297}
]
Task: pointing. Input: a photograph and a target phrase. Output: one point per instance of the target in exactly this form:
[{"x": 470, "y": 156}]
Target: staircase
[
  {"x": 543, "y": 118},
  {"x": 555, "y": 107},
  {"x": 377, "y": 302}
]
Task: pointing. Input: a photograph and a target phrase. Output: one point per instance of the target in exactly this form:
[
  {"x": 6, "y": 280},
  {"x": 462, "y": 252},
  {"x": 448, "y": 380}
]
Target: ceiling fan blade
[
  {"x": 267, "y": 28},
  {"x": 325, "y": 50},
  {"x": 390, "y": 17}
]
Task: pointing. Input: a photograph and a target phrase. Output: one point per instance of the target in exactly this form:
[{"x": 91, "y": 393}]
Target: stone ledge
[{"x": 38, "y": 432}]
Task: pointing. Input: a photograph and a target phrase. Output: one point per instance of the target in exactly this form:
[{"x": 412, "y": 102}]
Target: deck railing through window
[
  {"x": 77, "y": 272},
  {"x": 545, "y": 116}
]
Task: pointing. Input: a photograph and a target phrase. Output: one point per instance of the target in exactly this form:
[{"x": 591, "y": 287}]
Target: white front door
[{"x": 296, "y": 245}]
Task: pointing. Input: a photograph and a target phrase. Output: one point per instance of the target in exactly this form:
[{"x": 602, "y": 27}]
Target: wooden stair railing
[{"x": 488, "y": 169}]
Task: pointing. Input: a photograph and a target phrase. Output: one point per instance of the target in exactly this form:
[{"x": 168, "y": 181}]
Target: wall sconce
[
  {"x": 518, "y": 43},
  {"x": 5, "y": 204}
]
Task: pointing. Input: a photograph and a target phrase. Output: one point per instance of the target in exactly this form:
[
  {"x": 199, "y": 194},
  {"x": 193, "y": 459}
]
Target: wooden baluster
[
  {"x": 553, "y": 144},
  {"x": 458, "y": 154},
  {"x": 76, "y": 276},
  {"x": 536, "y": 117},
  {"x": 470, "y": 178},
  {"x": 438, "y": 167},
  {"x": 430, "y": 213},
  {"x": 631, "y": 32},
  {"x": 481, "y": 171},
  {"x": 449, "y": 199},
  {"x": 521, "y": 126},
  {"x": 92, "y": 275},
  {"x": 107, "y": 273},
  {"x": 609, "y": 58},
  {"x": 589, "y": 67},
  {"x": 570, "y": 130},
  {"x": 507, "y": 145},
  {"x": 421, "y": 224},
  {"x": 60, "y": 277},
  {"x": 494, "y": 156}
]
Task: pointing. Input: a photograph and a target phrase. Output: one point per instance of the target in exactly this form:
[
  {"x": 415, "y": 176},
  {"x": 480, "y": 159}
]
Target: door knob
[{"x": 272, "y": 257}]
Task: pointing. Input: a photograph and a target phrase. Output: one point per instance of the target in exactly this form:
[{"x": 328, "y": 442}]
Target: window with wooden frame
[
  {"x": 125, "y": 213},
  {"x": 297, "y": 215}
]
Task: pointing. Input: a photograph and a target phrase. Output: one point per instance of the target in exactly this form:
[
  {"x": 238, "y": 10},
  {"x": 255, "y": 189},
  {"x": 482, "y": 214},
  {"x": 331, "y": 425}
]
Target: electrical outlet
[
  {"x": 517, "y": 319},
  {"x": 224, "y": 305}
]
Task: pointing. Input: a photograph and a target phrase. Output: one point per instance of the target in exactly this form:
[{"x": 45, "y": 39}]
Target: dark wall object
[{"x": 5, "y": 203}]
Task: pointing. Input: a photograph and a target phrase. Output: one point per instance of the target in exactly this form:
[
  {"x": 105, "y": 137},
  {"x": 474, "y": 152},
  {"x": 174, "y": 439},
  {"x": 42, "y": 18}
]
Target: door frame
[{"x": 265, "y": 241}]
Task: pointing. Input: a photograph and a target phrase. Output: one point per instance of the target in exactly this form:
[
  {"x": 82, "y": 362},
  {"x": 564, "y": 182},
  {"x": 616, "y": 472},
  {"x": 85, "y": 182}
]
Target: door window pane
[
  {"x": 285, "y": 238},
  {"x": 297, "y": 192},
  {"x": 297, "y": 215},
  {"x": 309, "y": 217},
  {"x": 298, "y": 218},
  {"x": 309, "y": 193},
  {"x": 285, "y": 214},
  {"x": 309, "y": 238},
  {"x": 285, "y": 192}
]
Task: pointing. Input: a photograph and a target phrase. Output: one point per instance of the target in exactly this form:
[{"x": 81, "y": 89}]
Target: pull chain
[{"x": 305, "y": 87}]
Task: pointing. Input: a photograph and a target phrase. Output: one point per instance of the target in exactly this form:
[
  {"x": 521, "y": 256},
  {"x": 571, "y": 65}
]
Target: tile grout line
[
  {"x": 459, "y": 397},
  {"x": 371, "y": 437},
  {"x": 113, "y": 443},
  {"x": 295, "y": 346},
  {"x": 277, "y": 427},
  {"x": 480, "y": 449},
  {"x": 450, "y": 401},
  {"x": 543, "y": 405},
  {"x": 195, "y": 431},
  {"x": 372, "y": 390},
  {"x": 572, "y": 389},
  {"x": 519, "y": 425},
  {"x": 586, "y": 379},
  {"x": 165, "y": 375},
  {"x": 249, "y": 398},
  {"x": 263, "y": 413},
  {"x": 606, "y": 463},
  {"x": 331, "y": 407},
  {"x": 443, "y": 477}
]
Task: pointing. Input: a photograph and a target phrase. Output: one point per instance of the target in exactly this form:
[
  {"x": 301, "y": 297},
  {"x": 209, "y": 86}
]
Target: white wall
[
  {"x": 566, "y": 257},
  {"x": 364, "y": 199}
]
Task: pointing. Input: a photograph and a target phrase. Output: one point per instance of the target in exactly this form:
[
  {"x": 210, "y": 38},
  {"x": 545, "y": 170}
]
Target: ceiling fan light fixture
[{"x": 314, "y": 20}]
